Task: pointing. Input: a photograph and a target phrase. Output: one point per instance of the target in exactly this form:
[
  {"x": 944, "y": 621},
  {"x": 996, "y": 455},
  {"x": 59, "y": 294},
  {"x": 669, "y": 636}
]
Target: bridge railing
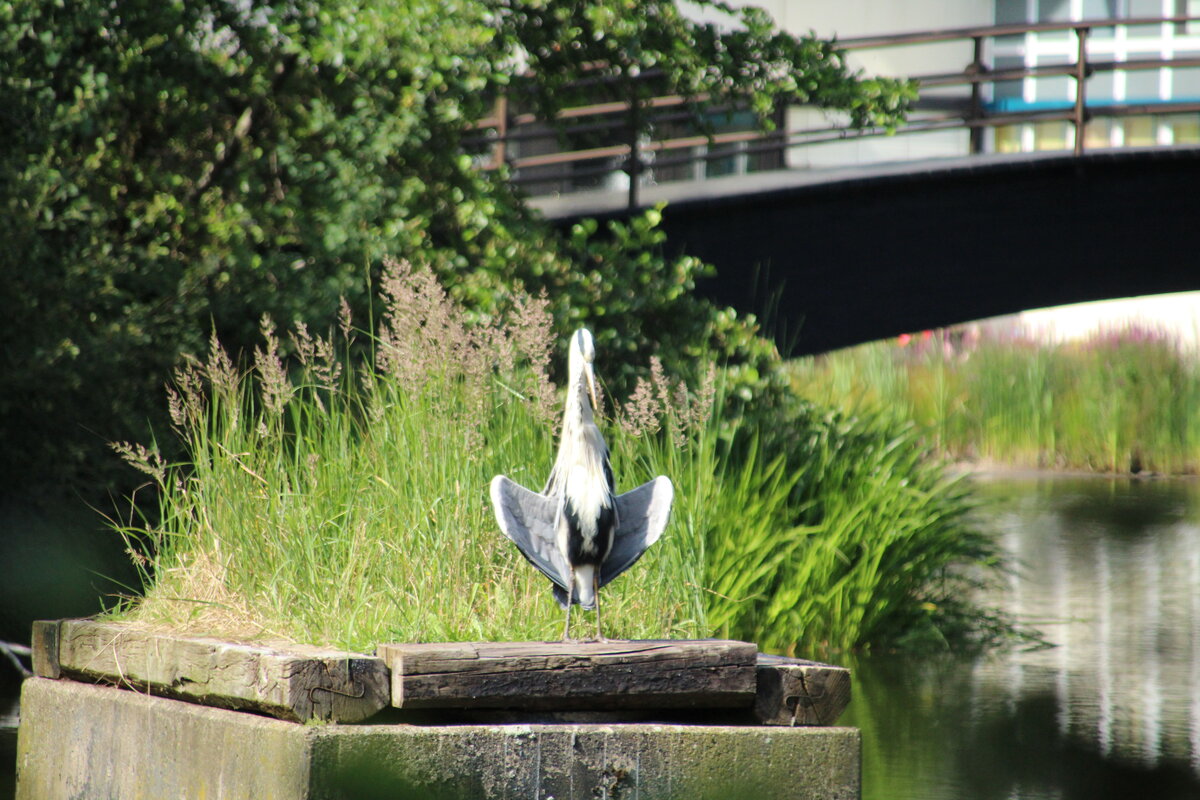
[
  {"x": 616, "y": 144},
  {"x": 978, "y": 74}
]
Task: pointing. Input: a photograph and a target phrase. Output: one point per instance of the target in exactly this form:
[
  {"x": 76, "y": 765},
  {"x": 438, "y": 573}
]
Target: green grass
[
  {"x": 884, "y": 535},
  {"x": 1124, "y": 402},
  {"x": 346, "y": 503}
]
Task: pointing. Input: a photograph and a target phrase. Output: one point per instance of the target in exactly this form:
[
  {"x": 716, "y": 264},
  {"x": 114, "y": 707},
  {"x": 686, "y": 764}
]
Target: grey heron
[{"x": 578, "y": 532}]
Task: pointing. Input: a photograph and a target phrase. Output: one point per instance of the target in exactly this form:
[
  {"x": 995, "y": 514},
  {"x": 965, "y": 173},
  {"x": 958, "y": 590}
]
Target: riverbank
[
  {"x": 998, "y": 470},
  {"x": 1120, "y": 402},
  {"x": 298, "y": 513}
]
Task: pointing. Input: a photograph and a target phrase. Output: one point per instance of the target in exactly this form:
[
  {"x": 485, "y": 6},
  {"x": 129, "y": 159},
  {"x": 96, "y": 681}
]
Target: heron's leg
[
  {"x": 570, "y": 597},
  {"x": 596, "y": 594}
]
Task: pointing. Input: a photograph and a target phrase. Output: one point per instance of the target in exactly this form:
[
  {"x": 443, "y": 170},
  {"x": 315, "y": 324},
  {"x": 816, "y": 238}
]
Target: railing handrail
[
  {"x": 996, "y": 31},
  {"x": 1050, "y": 70}
]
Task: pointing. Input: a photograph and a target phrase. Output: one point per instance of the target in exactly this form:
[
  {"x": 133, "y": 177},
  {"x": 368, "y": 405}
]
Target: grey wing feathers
[
  {"x": 529, "y": 519},
  {"x": 642, "y": 515}
]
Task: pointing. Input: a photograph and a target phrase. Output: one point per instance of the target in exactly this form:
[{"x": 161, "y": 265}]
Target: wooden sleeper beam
[
  {"x": 705, "y": 673},
  {"x": 302, "y": 683},
  {"x": 298, "y": 682}
]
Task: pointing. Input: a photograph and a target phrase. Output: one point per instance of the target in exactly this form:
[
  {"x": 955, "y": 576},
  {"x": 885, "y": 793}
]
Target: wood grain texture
[
  {"x": 302, "y": 683},
  {"x": 44, "y": 645},
  {"x": 792, "y": 691},
  {"x": 572, "y": 675},
  {"x": 294, "y": 682}
]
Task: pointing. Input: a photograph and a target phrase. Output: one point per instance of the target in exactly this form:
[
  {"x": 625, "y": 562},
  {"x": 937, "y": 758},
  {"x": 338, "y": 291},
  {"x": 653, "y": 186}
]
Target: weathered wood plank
[
  {"x": 792, "y": 691},
  {"x": 44, "y": 645},
  {"x": 295, "y": 682},
  {"x": 302, "y": 683},
  {"x": 572, "y": 675}
]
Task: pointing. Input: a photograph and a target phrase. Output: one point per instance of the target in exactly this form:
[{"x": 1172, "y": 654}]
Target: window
[
  {"x": 1008, "y": 139},
  {"x": 1140, "y": 132},
  {"x": 1005, "y": 93},
  {"x": 1101, "y": 9},
  {"x": 1190, "y": 8},
  {"x": 1141, "y": 86},
  {"x": 1098, "y": 134},
  {"x": 1145, "y": 8},
  {"x": 1100, "y": 88},
  {"x": 1185, "y": 84},
  {"x": 1142, "y": 9},
  {"x": 1053, "y": 136},
  {"x": 1059, "y": 89},
  {"x": 1185, "y": 127},
  {"x": 1010, "y": 12},
  {"x": 1054, "y": 11}
]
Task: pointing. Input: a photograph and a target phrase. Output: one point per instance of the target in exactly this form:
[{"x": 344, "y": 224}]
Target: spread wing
[
  {"x": 529, "y": 519},
  {"x": 642, "y": 515}
]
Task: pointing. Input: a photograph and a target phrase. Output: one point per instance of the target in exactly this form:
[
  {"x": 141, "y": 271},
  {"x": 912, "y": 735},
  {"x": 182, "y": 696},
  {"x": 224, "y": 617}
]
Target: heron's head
[{"x": 579, "y": 363}]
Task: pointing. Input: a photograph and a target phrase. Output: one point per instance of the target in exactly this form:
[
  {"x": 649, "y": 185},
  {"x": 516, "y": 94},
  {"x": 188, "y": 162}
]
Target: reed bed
[
  {"x": 346, "y": 503},
  {"x": 1124, "y": 401}
]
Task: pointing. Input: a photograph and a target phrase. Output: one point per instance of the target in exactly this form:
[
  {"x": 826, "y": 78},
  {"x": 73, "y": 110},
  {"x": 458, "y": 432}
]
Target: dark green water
[
  {"x": 8, "y": 739},
  {"x": 1110, "y": 573}
]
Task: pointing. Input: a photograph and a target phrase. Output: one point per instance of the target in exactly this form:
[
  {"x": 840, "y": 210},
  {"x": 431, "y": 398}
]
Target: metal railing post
[
  {"x": 975, "y": 112},
  {"x": 1081, "y": 75},
  {"x": 634, "y": 163},
  {"x": 500, "y": 148}
]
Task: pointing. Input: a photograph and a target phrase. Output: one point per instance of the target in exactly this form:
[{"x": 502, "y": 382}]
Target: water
[
  {"x": 9, "y": 717},
  {"x": 1111, "y": 575}
]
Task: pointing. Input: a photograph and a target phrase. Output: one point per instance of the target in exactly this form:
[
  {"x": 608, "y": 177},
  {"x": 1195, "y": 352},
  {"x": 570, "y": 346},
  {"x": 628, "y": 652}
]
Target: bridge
[
  {"x": 863, "y": 255},
  {"x": 835, "y": 255}
]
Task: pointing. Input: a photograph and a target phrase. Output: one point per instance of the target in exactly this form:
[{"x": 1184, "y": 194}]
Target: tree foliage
[
  {"x": 742, "y": 55},
  {"x": 168, "y": 168}
]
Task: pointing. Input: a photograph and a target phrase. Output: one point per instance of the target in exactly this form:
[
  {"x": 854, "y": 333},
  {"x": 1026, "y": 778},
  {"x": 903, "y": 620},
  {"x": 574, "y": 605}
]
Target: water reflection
[{"x": 1111, "y": 575}]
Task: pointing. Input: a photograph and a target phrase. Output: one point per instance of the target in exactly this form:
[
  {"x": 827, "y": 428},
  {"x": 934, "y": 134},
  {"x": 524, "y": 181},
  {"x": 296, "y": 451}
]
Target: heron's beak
[{"x": 591, "y": 384}]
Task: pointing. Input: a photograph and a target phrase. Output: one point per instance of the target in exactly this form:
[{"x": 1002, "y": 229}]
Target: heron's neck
[
  {"x": 581, "y": 446},
  {"x": 580, "y": 435},
  {"x": 577, "y": 411}
]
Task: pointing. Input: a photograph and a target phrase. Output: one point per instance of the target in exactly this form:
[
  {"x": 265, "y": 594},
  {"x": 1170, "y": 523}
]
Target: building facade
[{"x": 1157, "y": 90}]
